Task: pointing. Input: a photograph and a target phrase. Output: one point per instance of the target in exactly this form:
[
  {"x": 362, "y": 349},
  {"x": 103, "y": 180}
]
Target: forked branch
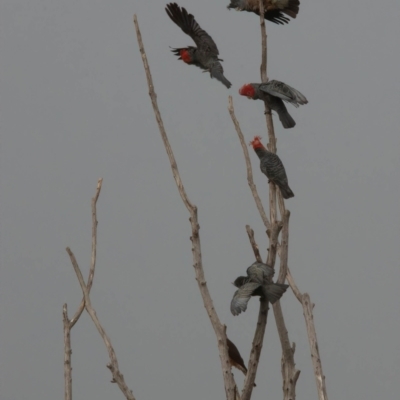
[
  {"x": 253, "y": 243},
  {"x": 81, "y": 307},
  {"x": 69, "y": 324},
  {"x": 219, "y": 328},
  {"x": 118, "y": 378}
]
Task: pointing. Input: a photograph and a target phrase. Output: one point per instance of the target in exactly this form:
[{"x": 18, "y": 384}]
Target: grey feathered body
[{"x": 272, "y": 166}]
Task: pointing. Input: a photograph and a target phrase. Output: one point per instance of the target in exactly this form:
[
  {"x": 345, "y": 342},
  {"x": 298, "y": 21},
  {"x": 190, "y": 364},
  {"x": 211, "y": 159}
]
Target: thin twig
[
  {"x": 263, "y": 67},
  {"x": 253, "y": 243},
  {"x": 250, "y": 180},
  {"x": 153, "y": 98},
  {"x": 69, "y": 323},
  {"x": 293, "y": 285},
  {"x": 312, "y": 339},
  {"x": 219, "y": 329},
  {"x": 305, "y": 301},
  {"x": 118, "y": 378},
  {"x": 264, "y": 78},
  {"x": 81, "y": 307},
  {"x": 67, "y": 355}
]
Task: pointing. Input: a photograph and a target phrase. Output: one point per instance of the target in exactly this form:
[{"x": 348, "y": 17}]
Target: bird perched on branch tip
[
  {"x": 274, "y": 93},
  {"x": 272, "y": 166}
]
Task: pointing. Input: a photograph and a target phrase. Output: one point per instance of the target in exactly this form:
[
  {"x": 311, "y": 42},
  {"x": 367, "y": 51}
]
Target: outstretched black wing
[{"x": 189, "y": 25}]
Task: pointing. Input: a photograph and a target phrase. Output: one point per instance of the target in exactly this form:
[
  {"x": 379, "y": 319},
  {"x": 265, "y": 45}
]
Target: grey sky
[{"x": 75, "y": 107}]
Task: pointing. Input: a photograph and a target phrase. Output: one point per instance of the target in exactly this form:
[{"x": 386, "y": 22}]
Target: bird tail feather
[
  {"x": 286, "y": 191},
  {"x": 286, "y": 119},
  {"x": 217, "y": 74}
]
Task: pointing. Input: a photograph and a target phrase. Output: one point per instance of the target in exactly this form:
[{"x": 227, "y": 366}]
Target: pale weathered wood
[
  {"x": 81, "y": 307},
  {"x": 118, "y": 378},
  {"x": 253, "y": 243},
  {"x": 250, "y": 179},
  {"x": 255, "y": 350},
  {"x": 219, "y": 328},
  {"x": 69, "y": 323},
  {"x": 67, "y": 355},
  {"x": 288, "y": 367},
  {"x": 312, "y": 338}
]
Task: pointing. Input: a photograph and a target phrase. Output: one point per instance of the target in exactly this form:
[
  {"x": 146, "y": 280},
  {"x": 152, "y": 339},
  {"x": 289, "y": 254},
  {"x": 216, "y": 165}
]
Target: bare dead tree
[{"x": 274, "y": 228}]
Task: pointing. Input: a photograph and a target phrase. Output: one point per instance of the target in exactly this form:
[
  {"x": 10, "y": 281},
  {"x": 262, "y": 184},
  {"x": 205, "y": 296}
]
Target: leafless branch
[
  {"x": 81, "y": 307},
  {"x": 220, "y": 330},
  {"x": 288, "y": 367},
  {"x": 256, "y": 349},
  {"x": 118, "y": 378},
  {"x": 264, "y": 78},
  {"x": 293, "y": 285},
  {"x": 312, "y": 339},
  {"x": 271, "y": 132},
  {"x": 253, "y": 243},
  {"x": 284, "y": 247},
  {"x": 272, "y": 203},
  {"x": 273, "y": 242},
  {"x": 305, "y": 301},
  {"x": 69, "y": 324},
  {"x": 263, "y": 67},
  {"x": 281, "y": 203},
  {"x": 153, "y": 98},
  {"x": 67, "y": 355},
  {"x": 250, "y": 180}
]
